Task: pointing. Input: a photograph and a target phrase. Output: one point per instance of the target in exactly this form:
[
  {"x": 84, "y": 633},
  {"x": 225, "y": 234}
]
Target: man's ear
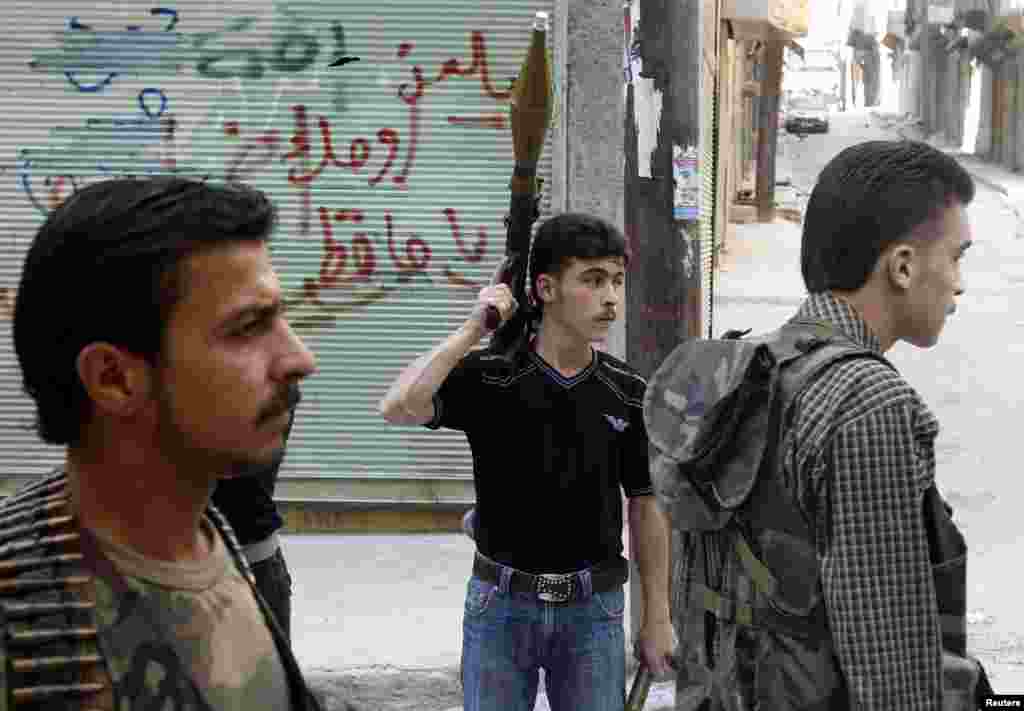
[
  {"x": 899, "y": 264},
  {"x": 118, "y": 382}
]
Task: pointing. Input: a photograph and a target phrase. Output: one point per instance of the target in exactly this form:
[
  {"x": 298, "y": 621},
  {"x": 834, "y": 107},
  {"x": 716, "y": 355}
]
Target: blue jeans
[{"x": 507, "y": 638}]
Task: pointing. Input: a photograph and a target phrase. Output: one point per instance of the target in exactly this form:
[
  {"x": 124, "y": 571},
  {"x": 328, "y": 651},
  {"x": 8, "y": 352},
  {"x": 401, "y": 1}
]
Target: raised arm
[{"x": 410, "y": 399}]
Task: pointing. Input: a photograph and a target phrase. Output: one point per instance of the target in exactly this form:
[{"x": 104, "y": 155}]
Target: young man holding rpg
[{"x": 557, "y": 434}]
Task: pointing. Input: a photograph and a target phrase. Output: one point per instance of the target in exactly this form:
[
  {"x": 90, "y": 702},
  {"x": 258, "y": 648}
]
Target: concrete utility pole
[
  {"x": 768, "y": 125},
  {"x": 663, "y": 110}
]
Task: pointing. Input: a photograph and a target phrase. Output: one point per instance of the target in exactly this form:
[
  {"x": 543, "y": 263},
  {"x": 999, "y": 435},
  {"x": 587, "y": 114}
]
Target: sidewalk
[
  {"x": 992, "y": 175},
  {"x": 377, "y": 620},
  {"x": 762, "y": 262}
]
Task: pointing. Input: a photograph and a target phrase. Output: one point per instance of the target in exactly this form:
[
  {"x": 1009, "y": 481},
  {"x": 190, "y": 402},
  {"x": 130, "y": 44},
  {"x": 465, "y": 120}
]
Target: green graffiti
[
  {"x": 98, "y": 146},
  {"x": 307, "y": 312},
  {"x": 291, "y": 52},
  {"x": 215, "y": 55}
]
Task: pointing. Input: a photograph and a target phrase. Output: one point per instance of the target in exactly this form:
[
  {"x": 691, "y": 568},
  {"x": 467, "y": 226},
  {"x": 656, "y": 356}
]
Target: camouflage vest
[
  {"x": 757, "y": 636},
  {"x": 50, "y": 654}
]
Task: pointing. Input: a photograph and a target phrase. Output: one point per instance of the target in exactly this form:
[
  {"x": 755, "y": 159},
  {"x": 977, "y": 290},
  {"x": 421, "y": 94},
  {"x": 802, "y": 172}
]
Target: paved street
[
  {"x": 970, "y": 379},
  {"x": 380, "y": 618}
]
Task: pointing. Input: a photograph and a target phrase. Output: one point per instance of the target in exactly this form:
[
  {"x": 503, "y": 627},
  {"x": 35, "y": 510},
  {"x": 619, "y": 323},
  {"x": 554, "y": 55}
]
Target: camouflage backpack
[
  {"x": 709, "y": 410},
  {"x": 753, "y": 629},
  {"x": 746, "y": 590}
]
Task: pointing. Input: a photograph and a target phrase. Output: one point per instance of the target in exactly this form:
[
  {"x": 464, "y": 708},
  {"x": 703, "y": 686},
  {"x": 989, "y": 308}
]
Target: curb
[
  {"x": 388, "y": 688},
  {"x": 384, "y": 688},
  {"x": 661, "y": 698}
]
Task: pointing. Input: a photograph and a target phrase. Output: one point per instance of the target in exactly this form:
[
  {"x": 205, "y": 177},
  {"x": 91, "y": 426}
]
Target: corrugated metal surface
[
  {"x": 412, "y": 196},
  {"x": 708, "y": 168}
]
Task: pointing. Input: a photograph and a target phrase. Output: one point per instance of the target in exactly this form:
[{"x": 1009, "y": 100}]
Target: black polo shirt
[{"x": 551, "y": 456}]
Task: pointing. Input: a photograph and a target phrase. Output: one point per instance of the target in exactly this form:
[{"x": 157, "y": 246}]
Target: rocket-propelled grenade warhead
[{"x": 531, "y": 107}]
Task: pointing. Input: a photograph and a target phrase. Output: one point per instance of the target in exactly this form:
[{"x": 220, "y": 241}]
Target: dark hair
[
  {"x": 557, "y": 241},
  {"x": 572, "y": 235},
  {"x": 867, "y": 198},
  {"x": 106, "y": 266}
]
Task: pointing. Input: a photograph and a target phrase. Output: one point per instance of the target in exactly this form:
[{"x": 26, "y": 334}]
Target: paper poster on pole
[{"x": 686, "y": 173}]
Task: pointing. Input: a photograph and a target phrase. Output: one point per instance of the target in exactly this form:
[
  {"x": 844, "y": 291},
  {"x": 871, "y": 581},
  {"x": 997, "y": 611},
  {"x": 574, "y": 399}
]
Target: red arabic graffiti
[
  {"x": 495, "y": 121},
  {"x": 335, "y": 259},
  {"x": 242, "y": 162},
  {"x": 417, "y": 253},
  {"x": 473, "y": 257},
  {"x": 360, "y": 149},
  {"x": 354, "y": 264},
  {"x": 353, "y": 257},
  {"x": 479, "y": 67}
]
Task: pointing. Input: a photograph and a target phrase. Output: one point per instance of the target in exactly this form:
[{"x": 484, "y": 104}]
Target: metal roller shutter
[
  {"x": 393, "y": 232},
  {"x": 709, "y": 174}
]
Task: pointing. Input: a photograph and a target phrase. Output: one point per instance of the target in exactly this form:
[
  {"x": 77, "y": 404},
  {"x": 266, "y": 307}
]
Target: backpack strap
[
  {"x": 302, "y": 696},
  {"x": 769, "y": 535}
]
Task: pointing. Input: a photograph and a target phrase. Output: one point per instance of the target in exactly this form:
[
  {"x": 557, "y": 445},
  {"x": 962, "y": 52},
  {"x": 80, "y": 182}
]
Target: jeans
[
  {"x": 275, "y": 585},
  {"x": 507, "y": 638}
]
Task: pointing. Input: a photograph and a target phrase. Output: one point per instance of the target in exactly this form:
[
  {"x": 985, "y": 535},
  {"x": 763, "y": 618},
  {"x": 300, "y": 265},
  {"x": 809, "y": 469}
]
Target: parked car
[{"x": 807, "y": 114}]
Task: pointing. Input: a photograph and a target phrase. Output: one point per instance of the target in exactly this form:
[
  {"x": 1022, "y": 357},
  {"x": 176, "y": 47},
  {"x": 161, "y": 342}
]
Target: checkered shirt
[{"x": 858, "y": 457}]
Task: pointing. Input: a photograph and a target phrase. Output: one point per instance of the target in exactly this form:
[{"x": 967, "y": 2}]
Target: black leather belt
[{"x": 555, "y": 587}]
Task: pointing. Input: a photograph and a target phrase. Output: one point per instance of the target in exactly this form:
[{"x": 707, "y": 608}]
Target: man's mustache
[{"x": 285, "y": 403}]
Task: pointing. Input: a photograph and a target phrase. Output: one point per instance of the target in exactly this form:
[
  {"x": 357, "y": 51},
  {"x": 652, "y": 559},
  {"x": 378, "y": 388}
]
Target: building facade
[{"x": 754, "y": 37}]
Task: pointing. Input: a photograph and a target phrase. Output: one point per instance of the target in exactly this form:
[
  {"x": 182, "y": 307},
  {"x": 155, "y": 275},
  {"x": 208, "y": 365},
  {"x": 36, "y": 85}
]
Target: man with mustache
[
  {"x": 150, "y": 333},
  {"x": 557, "y": 436}
]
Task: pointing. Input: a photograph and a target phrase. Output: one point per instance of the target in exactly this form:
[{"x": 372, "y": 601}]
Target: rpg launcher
[{"x": 529, "y": 114}]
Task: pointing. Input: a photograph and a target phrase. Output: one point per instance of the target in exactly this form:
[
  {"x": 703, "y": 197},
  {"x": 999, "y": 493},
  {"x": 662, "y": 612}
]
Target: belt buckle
[{"x": 555, "y": 588}]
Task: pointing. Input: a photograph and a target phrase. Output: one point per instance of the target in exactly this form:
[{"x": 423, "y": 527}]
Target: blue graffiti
[
  {"x": 145, "y": 108},
  {"x": 25, "y": 178},
  {"x": 74, "y": 24},
  {"x": 108, "y": 51},
  {"x": 91, "y": 88},
  {"x": 111, "y": 146},
  {"x": 158, "y": 11},
  {"x": 116, "y": 53}
]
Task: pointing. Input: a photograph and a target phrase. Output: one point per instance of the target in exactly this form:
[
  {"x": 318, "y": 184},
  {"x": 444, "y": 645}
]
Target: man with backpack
[{"x": 816, "y": 565}]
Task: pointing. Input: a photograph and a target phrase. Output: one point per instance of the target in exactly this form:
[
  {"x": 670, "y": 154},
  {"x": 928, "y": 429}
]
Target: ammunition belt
[{"x": 50, "y": 650}]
